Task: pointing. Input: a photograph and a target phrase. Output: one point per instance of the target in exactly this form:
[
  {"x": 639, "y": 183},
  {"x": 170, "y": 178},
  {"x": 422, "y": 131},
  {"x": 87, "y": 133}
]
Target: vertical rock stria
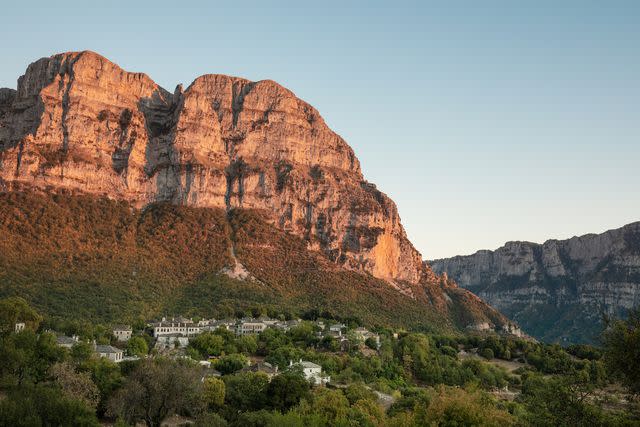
[
  {"x": 558, "y": 290},
  {"x": 78, "y": 121}
]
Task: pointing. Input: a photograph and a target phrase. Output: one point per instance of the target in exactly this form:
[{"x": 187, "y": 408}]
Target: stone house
[
  {"x": 172, "y": 341},
  {"x": 122, "y": 332},
  {"x": 286, "y": 325},
  {"x": 251, "y": 327},
  {"x": 336, "y": 330},
  {"x": 363, "y": 334},
  {"x": 311, "y": 371},
  {"x": 265, "y": 367},
  {"x": 109, "y": 352},
  {"x": 176, "y": 326},
  {"x": 67, "y": 342}
]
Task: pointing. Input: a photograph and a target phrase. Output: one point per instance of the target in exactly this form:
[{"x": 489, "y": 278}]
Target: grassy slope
[{"x": 79, "y": 256}]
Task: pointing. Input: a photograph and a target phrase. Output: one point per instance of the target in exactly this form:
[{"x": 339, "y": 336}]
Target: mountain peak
[{"x": 78, "y": 121}]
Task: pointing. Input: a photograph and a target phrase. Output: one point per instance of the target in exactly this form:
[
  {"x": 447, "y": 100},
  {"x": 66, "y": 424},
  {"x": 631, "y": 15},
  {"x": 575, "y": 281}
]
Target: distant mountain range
[
  {"x": 120, "y": 197},
  {"x": 558, "y": 290}
]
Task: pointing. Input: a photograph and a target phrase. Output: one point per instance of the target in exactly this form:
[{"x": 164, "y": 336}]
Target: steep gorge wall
[{"x": 560, "y": 289}]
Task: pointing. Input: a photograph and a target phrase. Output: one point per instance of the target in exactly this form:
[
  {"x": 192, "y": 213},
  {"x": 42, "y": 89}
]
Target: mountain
[
  {"x": 558, "y": 290},
  {"x": 78, "y": 121},
  {"x": 80, "y": 132}
]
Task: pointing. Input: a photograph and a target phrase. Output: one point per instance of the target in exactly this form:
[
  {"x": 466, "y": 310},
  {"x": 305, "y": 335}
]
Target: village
[
  {"x": 266, "y": 367},
  {"x": 170, "y": 337}
]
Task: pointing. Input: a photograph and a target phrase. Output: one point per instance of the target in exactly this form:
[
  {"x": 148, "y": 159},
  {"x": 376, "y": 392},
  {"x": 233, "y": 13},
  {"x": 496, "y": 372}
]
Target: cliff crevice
[{"x": 78, "y": 121}]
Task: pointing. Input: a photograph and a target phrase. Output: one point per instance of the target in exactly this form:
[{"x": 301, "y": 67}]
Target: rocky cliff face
[
  {"x": 557, "y": 290},
  {"x": 78, "y": 121}
]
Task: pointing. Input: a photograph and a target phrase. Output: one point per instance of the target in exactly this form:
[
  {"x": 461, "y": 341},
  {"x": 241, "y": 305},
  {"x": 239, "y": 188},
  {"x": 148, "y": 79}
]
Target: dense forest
[
  {"x": 93, "y": 258},
  {"x": 410, "y": 379}
]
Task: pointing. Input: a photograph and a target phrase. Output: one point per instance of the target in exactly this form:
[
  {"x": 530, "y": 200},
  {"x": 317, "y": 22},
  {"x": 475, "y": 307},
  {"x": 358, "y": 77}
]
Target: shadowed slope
[{"x": 88, "y": 257}]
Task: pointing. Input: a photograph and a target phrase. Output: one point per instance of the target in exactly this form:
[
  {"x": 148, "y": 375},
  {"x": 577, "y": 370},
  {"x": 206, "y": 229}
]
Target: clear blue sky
[{"x": 485, "y": 121}]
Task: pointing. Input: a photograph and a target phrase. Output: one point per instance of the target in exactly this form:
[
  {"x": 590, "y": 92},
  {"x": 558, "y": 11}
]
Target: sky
[{"x": 485, "y": 121}]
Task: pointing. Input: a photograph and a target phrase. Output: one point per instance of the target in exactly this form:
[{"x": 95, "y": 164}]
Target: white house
[
  {"x": 112, "y": 353},
  {"x": 336, "y": 330},
  {"x": 247, "y": 328},
  {"x": 172, "y": 341},
  {"x": 268, "y": 321},
  {"x": 67, "y": 342},
  {"x": 180, "y": 326},
  {"x": 311, "y": 371},
  {"x": 363, "y": 334},
  {"x": 227, "y": 324},
  {"x": 285, "y": 326},
  {"x": 19, "y": 327},
  {"x": 122, "y": 332},
  {"x": 265, "y": 367}
]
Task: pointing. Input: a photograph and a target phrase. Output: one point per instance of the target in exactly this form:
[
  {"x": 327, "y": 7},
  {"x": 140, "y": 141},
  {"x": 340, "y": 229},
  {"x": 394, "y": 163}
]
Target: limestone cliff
[
  {"x": 560, "y": 289},
  {"x": 78, "y": 121}
]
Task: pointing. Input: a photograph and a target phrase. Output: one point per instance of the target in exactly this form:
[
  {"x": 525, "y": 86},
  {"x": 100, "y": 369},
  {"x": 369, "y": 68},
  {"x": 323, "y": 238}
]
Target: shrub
[{"x": 487, "y": 353}]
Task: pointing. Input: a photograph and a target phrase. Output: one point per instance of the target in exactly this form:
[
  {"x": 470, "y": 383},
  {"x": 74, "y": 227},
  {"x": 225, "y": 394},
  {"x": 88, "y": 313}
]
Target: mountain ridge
[
  {"x": 559, "y": 289},
  {"x": 80, "y": 124},
  {"x": 203, "y": 146}
]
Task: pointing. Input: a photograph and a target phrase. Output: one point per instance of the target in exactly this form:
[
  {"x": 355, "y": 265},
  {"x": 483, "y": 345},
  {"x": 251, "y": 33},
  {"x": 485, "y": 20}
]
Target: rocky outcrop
[
  {"x": 78, "y": 121},
  {"x": 558, "y": 290}
]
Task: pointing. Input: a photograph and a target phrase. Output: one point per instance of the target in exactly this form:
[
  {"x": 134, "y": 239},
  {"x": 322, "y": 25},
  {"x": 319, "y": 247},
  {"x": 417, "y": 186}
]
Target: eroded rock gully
[{"x": 78, "y": 121}]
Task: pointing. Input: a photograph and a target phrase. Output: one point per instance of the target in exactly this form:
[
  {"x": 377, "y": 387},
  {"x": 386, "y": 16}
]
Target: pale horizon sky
[{"x": 484, "y": 121}]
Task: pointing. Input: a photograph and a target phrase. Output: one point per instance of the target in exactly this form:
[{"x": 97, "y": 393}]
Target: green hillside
[{"x": 84, "y": 257}]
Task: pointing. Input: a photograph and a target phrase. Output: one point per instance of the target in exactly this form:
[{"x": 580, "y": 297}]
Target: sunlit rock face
[
  {"x": 558, "y": 290},
  {"x": 78, "y": 121}
]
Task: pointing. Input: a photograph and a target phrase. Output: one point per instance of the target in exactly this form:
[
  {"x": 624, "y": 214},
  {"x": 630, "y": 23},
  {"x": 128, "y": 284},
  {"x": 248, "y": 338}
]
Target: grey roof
[
  {"x": 107, "y": 349},
  {"x": 306, "y": 364},
  {"x": 176, "y": 324},
  {"x": 63, "y": 339},
  {"x": 260, "y": 367}
]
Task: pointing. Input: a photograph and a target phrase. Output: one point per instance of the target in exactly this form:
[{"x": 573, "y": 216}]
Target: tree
[
  {"x": 303, "y": 334},
  {"x": 41, "y": 405},
  {"x": 355, "y": 392},
  {"x": 76, "y": 385},
  {"x": 330, "y": 343},
  {"x": 26, "y": 357},
  {"x": 247, "y": 344},
  {"x": 81, "y": 352},
  {"x": 622, "y": 350},
  {"x": 281, "y": 356},
  {"x": 367, "y": 412},
  {"x": 210, "y": 420},
  {"x": 459, "y": 407},
  {"x": 230, "y": 364},
  {"x": 246, "y": 391},
  {"x": 156, "y": 389},
  {"x": 560, "y": 400},
  {"x": 16, "y": 309},
  {"x": 286, "y": 390},
  {"x": 487, "y": 353},
  {"x": 371, "y": 343},
  {"x": 208, "y": 344},
  {"x": 331, "y": 405},
  {"x": 213, "y": 392},
  {"x": 107, "y": 376},
  {"x": 137, "y": 346}
]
